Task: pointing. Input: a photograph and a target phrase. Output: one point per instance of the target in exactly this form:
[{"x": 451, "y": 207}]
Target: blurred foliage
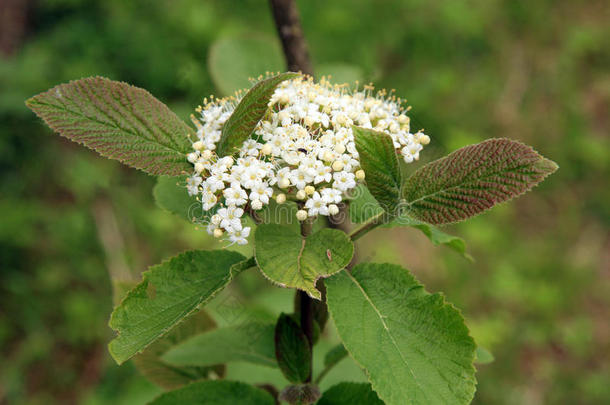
[{"x": 538, "y": 294}]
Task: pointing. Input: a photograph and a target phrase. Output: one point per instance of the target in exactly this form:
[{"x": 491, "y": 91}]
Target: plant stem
[
  {"x": 366, "y": 227},
  {"x": 289, "y": 29}
]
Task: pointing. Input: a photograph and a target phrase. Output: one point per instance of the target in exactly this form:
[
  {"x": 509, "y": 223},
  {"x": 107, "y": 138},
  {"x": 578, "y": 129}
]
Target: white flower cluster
[{"x": 302, "y": 150}]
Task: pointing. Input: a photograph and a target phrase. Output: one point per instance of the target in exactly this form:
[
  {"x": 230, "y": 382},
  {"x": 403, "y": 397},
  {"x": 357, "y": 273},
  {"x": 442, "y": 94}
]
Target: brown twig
[{"x": 288, "y": 24}]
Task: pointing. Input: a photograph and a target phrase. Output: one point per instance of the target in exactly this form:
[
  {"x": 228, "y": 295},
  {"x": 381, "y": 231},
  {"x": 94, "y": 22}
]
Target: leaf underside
[
  {"x": 217, "y": 392},
  {"x": 378, "y": 159},
  {"x": 167, "y": 294},
  {"x": 292, "y": 350},
  {"x": 473, "y": 179},
  {"x": 289, "y": 260},
  {"x": 248, "y": 113},
  {"x": 119, "y": 121},
  {"x": 413, "y": 345},
  {"x": 251, "y": 342}
]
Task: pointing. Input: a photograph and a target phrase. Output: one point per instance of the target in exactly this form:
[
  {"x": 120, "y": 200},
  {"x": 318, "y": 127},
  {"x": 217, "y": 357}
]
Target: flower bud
[
  {"x": 281, "y": 198},
  {"x": 301, "y": 195},
  {"x": 198, "y": 145},
  {"x": 333, "y": 209},
  {"x": 340, "y": 148},
  {"x": 192, "y": 157},
  {"x": 301, "y": 215},
  {"x": 256, "y": 205},
  {"x": 266, "y": 150},
  {"x": 360, "y": 175},
  {"x": 207, "y": 154},
  {"x": 309, "y": 190},
  {"x": 424, "y": 139},
  {"x": 338, "y": 165},
  {"x": 284, "y": 183},
  {"x": 199, "y": 167},
  {"x": 218, "y": 233}
]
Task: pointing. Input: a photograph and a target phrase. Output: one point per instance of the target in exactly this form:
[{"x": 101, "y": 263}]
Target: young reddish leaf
[
  {"x": 473, "y": 179},
  {"x": 119, "y": 121},
  {"x": 248, "y": 113},
  {"x": 380, "y": 164}
]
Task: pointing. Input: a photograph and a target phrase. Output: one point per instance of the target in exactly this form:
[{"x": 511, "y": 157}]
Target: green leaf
[
  {"x": 151, "y": 365},
  {"x": 435, "y": 235},
  {"x": 233, "y": 60},
  {"x": 169, "y": 292},
  {"x": 292, "y": 350},
  {"x": 250, "y": 342},
  {"x": 281, "y": 214},
  {"x": 289, "y": 260},
  {"x": 119, "y": 121},
  {"x": 170, "y": 194},
  {"x": 335, "y": 355},
  {"x": 483, "y": 356},
  {"x": 413, "y": 345},
  {"x": 380, "y": 164},
  {"x": 248, "y": 113},
  {"x": 473, "y": 179},
  {"x": 349, "y": 393},
  {"x": 218, "y": 392},
  {"x": 363, "y": 207}
]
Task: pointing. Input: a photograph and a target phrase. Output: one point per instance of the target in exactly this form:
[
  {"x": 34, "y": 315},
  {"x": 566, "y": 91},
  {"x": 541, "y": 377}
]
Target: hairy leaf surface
[
  {"x": 251, "y": 342},
  {"x": 348, "y": 393},
  {"x": 119, "y": 121},
  {"x": 248, "y": 113},
  {"x": 218, "y": 392},
  {"x": 380, "y": 164},
  {"x": 473, "y": 179},
  {"x": 169, "y": 292},
  {"x": 413, "y": 345},
  {"x": 292, "y": 350},
  {"x": 289, "y": 260}
]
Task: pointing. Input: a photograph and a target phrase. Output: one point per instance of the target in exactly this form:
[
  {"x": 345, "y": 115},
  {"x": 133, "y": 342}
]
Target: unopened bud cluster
[{"x": 302, "y": 150}]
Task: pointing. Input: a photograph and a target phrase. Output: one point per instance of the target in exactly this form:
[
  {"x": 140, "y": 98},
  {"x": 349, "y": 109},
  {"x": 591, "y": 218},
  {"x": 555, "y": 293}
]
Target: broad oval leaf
[
  {"x": 251, "y": 342},
  {"x": 233, "y": 60},
  {"x": 169, "y": 292},
  {"x": 248, "y": 113},
  {"x": 348, "y": 393},
  {"x": 289, "y": 260},
  {"x": 473, "y": 179},
  {"x": 218, "y": 392},
  {"x": 413, "y": 345},
  {"x": 378, "y": 159},
  {"x": 119, "y": 121},
  {"x": 292, "y": 350},
  {"x": 153, "y": 367}
]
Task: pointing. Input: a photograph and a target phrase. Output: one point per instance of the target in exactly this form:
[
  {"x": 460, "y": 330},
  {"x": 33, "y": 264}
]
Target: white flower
[
  {"x": 240, "y": 236},
  {"x": 316, "y": 205},
  {"x": 303, "y": 149},
  {"x": 235, "y": 195},
  {"x": 344, "y": 181}
]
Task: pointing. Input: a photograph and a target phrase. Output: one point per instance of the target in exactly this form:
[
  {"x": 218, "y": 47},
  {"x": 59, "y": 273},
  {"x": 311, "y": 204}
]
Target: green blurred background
[{"x": 537, "y": 295}]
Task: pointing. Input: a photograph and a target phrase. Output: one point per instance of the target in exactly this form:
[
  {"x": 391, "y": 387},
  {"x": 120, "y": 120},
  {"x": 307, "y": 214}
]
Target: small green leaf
[
  {"x": 473, "y": 179},
  {"x": 118, "y": 121},
  {"x": 250, "y": 342},
  {"x": 218, "y": 392},
  {"x": 170, "y": 194},
  {"x": 348, "y": 393},
  {"x": 248, "y": 113},
  {"x": 380, "y": 164},
  {"x": 169, "y": 292},
  {"x": 233, "y": 60},
  {"x": 413, "y": 345},
  {"x": 363, "y": 206},
  {"x": 150, "y": 364},
  {"x": 335, "y": 355},
  {"x": 292, "y": 350},
  {"x": 289, "y": 260},
  {"x": 483, "y": 356}
]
